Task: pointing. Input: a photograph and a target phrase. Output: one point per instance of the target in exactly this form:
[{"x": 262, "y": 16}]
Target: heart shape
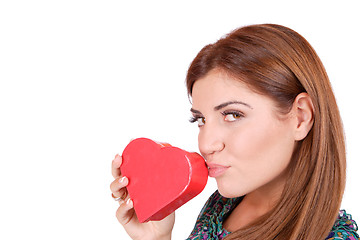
[{"x": 161, "y": 177}]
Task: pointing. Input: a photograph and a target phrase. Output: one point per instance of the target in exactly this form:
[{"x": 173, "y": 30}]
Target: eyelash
[
  {"x": 194, "y": 119},
  {"x": 238, "y": 115}
]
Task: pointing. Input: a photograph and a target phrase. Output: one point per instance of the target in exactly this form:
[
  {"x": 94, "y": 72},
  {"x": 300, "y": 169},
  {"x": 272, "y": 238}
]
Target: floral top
[{"x": 211, "y": 217}]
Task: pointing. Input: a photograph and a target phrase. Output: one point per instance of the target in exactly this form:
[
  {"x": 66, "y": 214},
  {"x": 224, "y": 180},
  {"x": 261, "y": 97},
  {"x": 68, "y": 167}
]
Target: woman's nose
[{"x": 210, "y": 141}]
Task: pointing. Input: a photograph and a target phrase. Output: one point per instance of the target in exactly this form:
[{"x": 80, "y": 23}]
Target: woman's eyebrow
[
  {"x": 195, "y": 111},
  {"x": 217, "y": 108}
]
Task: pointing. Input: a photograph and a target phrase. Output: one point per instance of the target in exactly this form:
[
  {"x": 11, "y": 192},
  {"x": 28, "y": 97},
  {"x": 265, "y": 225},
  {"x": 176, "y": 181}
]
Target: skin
[
  {"x": 247, "y": 146},
  {"x": 242, "y": 135}
]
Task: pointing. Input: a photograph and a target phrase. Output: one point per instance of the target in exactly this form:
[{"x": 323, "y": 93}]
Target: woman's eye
[
  {"x": 199, "y": 120},
  {"x": 232, "y": 116}
]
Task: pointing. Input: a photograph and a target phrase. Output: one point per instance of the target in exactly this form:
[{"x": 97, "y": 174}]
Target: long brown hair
[{"x": 278, "y": 62}]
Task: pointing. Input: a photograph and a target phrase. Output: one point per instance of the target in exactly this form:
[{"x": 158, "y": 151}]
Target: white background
[{"x": 79, "y": 79}]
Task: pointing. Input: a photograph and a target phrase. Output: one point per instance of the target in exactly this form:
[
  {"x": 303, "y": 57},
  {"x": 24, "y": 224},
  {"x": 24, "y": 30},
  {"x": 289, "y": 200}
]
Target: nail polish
[{"x": 122, "y": 179}]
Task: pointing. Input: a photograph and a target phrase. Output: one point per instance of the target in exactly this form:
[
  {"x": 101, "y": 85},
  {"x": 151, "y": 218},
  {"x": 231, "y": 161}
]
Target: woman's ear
[{"x": 303, "y": 111}]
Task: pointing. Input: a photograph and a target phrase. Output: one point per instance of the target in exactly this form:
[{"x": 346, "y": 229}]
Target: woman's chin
[{"x": 228, "y": 192}]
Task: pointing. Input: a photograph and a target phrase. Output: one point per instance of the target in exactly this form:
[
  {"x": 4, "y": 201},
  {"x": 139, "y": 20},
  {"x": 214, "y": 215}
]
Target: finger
[
  {"x": 115, "y": 166},
  {"x": 120, "y": 200},
  {"x": 119, "y": 184},
  {"x": 125, "y": 212},
  {"x": 121, "y": 195}
]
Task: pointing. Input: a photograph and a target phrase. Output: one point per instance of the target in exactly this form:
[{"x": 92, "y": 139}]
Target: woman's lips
[{"x": 215, "y": 170}]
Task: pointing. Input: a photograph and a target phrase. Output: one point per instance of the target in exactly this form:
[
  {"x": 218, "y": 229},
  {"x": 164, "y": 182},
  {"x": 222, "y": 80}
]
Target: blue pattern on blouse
[{"x": 210, "y": 220}]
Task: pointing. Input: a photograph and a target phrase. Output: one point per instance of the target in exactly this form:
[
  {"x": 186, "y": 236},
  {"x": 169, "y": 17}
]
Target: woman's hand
[{"x": 127, "y": 216}]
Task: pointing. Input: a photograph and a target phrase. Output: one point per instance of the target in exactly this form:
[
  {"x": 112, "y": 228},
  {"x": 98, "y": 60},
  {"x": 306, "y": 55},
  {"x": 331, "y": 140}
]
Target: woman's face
[{"x": 246, "y": 145}]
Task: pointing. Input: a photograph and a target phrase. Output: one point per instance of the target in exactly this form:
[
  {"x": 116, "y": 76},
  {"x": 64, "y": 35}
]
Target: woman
[{"x": 272, "y": 136}]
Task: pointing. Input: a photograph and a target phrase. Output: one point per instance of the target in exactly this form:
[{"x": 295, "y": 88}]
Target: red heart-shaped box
[{"x": 161, "y": 177}]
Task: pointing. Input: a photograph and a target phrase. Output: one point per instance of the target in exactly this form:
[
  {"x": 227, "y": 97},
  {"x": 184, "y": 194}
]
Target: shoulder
[{"x": 344, "y": 228}]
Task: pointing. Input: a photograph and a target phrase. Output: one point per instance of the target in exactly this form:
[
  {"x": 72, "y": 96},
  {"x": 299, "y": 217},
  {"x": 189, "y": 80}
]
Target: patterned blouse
[{"x": 211, "y": 217}]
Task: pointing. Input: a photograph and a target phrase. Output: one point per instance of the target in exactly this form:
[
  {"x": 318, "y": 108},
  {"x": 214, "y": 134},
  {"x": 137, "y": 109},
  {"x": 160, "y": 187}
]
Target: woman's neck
[{"x": 255, "y": 205}]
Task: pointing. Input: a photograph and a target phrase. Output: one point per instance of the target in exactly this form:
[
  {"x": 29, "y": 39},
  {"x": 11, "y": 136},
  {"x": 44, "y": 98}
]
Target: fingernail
[
  {"x": 121, "y": 180},
  {"x": 117, "y": 158},
  {"x": 128, "y": 202}
]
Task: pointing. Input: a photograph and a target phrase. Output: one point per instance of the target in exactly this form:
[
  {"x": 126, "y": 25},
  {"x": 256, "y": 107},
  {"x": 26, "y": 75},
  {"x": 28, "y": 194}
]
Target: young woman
[{"x": 272, "y": 136}]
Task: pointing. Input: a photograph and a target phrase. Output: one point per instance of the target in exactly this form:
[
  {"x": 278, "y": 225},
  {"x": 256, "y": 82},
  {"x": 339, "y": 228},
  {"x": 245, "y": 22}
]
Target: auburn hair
[{"x": 279, "y": 63}]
